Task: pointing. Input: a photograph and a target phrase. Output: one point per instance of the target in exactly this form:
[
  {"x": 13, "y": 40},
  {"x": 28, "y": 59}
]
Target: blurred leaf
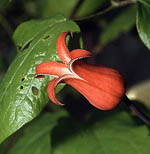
[
  {"x": 4, "y": 146},
  {"x": 89, "y": 7},
  {"x": 121, "y": 24},
  {"x": 4, "y": 4},
  {"x": 1, "y": 64},
  {"x": 145, "y": 2},
  {"x": 47, "y": 8},
  {"x": 140, "y": 92},
  {"x": 34, "y": 138},
  {"x": 111, "y": 134},
  {"x": 143, "y": 22},
  {"x": 22, "y": 96},
  {"x": 1, "y": 76}
]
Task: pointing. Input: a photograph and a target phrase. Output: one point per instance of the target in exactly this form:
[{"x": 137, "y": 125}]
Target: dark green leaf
[
  {"x": 46, "y": 8},
  {"x": 145, "y": 2},
  {"x": 113, "y": 133},
  {"x": 121, "y": 24},
  {"x": 143, "y": 23},
  {"x": 1, "y": 63},
  {"x": 4, "y": 4},
  {"x": 22, "y": 96},
  {"x": 89, "y": 7},
  {"x": 4, "y": 146},
  {"x": 34, "y": 138}
]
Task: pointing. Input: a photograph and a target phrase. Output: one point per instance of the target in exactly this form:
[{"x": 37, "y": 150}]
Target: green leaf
[
  {"x": 47, "y": 8},
  {"x": 143, "y": 22},
  {"x": 121, "y": 24},
  {"x": 145, "y": 2},
  {"x": 34, "y": 138},
  {"x": 4, "y": 4},
  {"x": 88, "y": 7},
  {"x": 111, "y": 133},
  {"x": 22, "y": 96},
  {"x": 1, "y": 63},
  {"x": 4, "y": 146}
]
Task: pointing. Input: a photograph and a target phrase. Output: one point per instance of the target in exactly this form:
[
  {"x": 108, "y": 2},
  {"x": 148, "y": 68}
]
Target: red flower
[{"x": 103, "y": 87}]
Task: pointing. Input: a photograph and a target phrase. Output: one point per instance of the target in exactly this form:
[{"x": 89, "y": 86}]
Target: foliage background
[{"x": 115, "y": 39}]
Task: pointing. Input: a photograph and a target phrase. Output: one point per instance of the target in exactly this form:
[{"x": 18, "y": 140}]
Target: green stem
[{"x": 114, "y": 4}]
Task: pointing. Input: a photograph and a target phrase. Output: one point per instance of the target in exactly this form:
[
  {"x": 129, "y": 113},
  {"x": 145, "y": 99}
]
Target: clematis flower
[{"x": 103, "y": 87}]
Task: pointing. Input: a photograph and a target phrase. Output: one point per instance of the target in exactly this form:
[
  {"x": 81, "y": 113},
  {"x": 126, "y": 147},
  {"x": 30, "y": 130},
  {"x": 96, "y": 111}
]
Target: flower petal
[
  {"x": 76, "y": 55},
  {"x": 97, "y": 97},
  {"x": 52, "y": 86},
  {"x": 99, "y": 69},
  {"x": 52, "y": 68},
  {"x": 79, "y": 53},
  {"x": 107, "y": 79},
  {"x": 62, "y": 49}
]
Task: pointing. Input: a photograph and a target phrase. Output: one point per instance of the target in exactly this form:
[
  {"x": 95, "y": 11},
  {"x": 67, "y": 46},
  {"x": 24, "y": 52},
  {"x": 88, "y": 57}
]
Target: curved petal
[
  {"x": 96, "y": 96},
  {"x": 62, "y": 49},
  {"x": 104, "y": 78},
  {"x": 76, "y": 55},
  {"x": 52, "y": 68},
  {"x": 79, "y": 53},
  {"x": 52, "y": 86}
]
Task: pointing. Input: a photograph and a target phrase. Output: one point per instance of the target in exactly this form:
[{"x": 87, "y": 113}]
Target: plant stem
[
  {"x": 137, "y": 112},
  {"x": 114, "y": 4}
]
